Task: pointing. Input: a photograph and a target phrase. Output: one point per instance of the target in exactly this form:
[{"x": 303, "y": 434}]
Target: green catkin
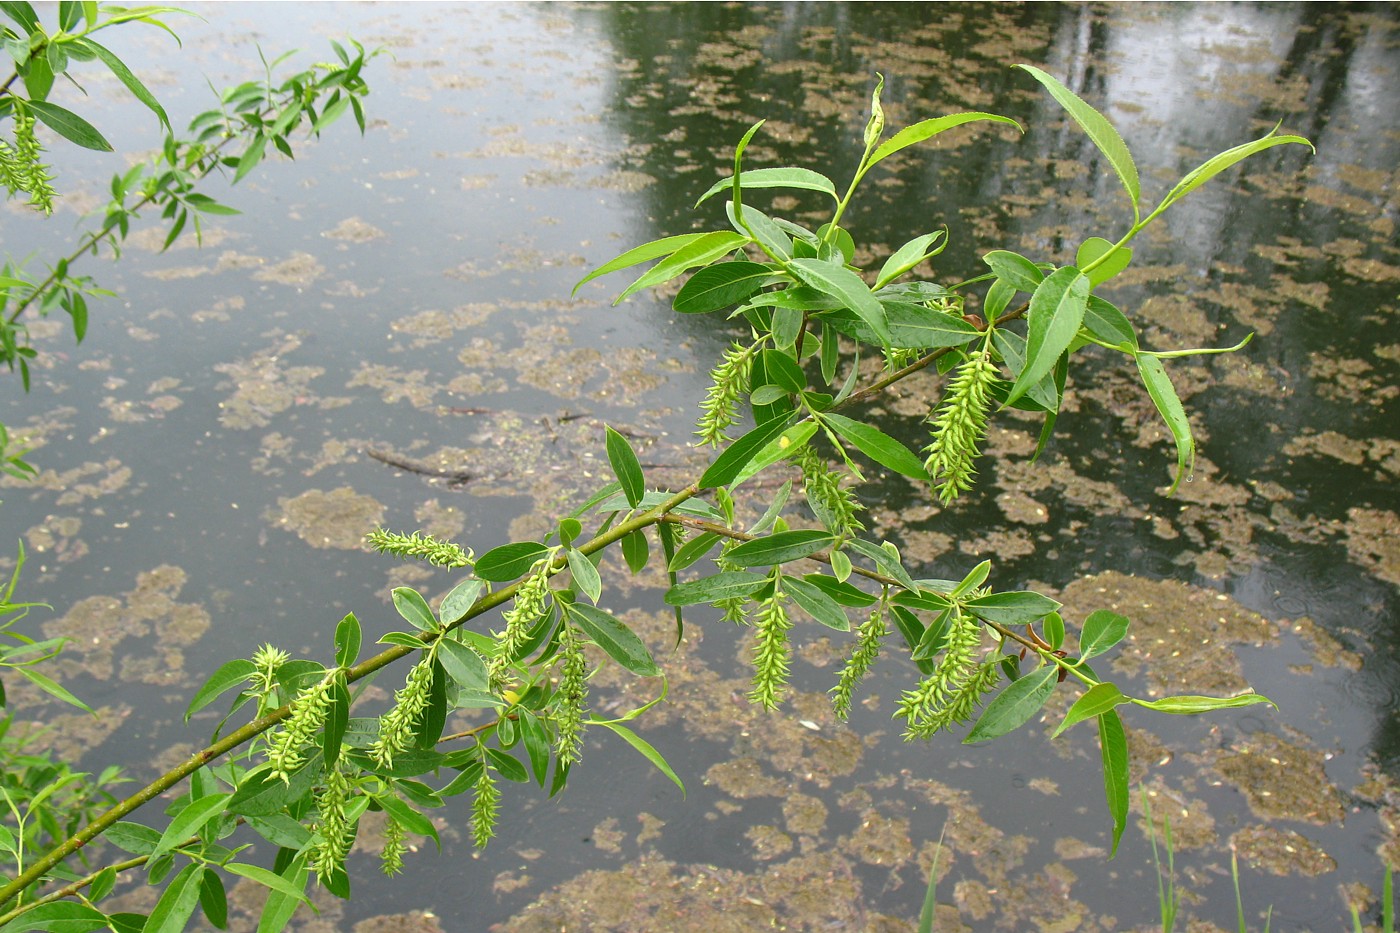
[
  {"x": 304, "y": 721},
  {"x": 396, "y": 726},
  {"x": 266, "y": 661},
  {"x": 863, "y": 655},
  {"x": 735, "y": 608},
  {"x": 834, "y": 505},
  {"x": 21, "y": 169},
  {"x": 771, "y": 650},
  {"x": 531, "y": 603},
  {"x": 391, "y": 857},
  {"x": 332, "y": 825},
  {"x": 485, "y": 802},
  {"x": 959, "y": 427},
  {"x": 951, "y": 692},
  {"x": 573, "y": 690},
  {"x": 420, "y": 547},
  {"x": 728, "y": 383}
]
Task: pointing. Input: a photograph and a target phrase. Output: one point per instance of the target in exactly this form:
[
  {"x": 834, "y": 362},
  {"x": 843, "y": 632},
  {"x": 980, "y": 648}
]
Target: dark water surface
[{"x": 206, "y": 480}]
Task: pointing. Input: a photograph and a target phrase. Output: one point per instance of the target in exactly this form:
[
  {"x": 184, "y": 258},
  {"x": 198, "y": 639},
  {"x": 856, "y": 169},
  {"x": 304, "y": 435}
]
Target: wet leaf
[
  {"x": 779, "y": 548},
  {"x": 724, "y": 585},
  {"x": 817, "y": 604}
]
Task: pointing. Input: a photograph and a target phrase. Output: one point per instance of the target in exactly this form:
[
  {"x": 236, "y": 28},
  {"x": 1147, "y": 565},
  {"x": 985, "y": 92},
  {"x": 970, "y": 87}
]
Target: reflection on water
[{"x": 206, "y": 466}]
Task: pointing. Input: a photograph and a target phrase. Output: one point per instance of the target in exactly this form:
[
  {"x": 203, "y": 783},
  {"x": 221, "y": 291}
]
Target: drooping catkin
[
  {"x": 410, "y": 700},
  {"x": 959, "y": 427},
  {"x": 531, "y": 603},
  {"x": 21, "y": 169},
  {"x": 573, "y": 690},
  {"x": 834, "y": 505},
  {"x": 950, "y": 694},
  {"x": 485, "y": 802},
  {"x": 304, "y": 721},
  {"x": 332, "y": 824},
  {"x": 863, "y": 655},
  {"x": 395, "y": 845},
  {"x": 728, "y": 383},
  {"x": 771, "y": 650}
]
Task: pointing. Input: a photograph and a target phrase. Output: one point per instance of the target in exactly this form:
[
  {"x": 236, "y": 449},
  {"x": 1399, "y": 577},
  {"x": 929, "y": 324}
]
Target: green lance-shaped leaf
[
  {"x": 626, "y": 467},
  {"x": 636, "y": 551},
  {"x": 724, "y": 585},
  {"x": 786, "y": 444},
  {"x": 189, "y": 820},
  {"x": 833, "y": 278},
  {"x": 1094, "y": 249},
  {"x": 817, "y": 604},
  {"x": 52, "y": 687},
  {"x": 1097, "y": 700},
  {"x": 1012, "y": 608},
  {"x": 1190, "y": 705},
  {"x": 1057, "y": 310},
  {"x": 347, "y": 640},
  {"x": 975, "y": 578},
  {"x": 878, "y": 446},
  {"x": 702, "y": 251},
  {"x": 766, "y": 231},
  {"x": 910, "y": 255},
  {"x": 640, "y": 254},
  {"x": 927, "y": 129},
  {"x": 1113, "y": 747},
  {"x": 505, "y": 563},
  {"x": 59, "y": 917},
  {"x": 69, "y": 125},
  {"x": 463, "y": 665},
  {"x": 779, "y": 548},
  {"x": 585, "y": 575},
  {"x": 337, "y": 718},
  {"x": 1102, "y": 630},
  {"x": 409, "y": 818},
  {"x": 1015, "y": 705},
  {"x": 1014, "y": 269},
  {"x": 227, "y": 677},
  {"x": 645, "y": 748},
  {"x": 460, "y": 600},
  {"x": 721, "y": 286},
  {"x": 124, "y": 74},
  {"x": 786, "y": 177},
  {"x": 911, "y": 326},
  {"x": 268, "y": 879},
  {"x": 615, "y": 638},
  {"x": 176, "y": 905},
  {"x": 1219, "y": 163},
  {"x": 1159, "y": 386},
  {"x": 414, "y": 608},
  {"x": 729, "y": 464},
  {"x": 1108, "y": 324},
  {"x": 1100, "y": 131}
]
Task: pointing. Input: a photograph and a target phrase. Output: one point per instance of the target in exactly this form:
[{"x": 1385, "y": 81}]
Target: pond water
[{"x": 206, "y": 474}]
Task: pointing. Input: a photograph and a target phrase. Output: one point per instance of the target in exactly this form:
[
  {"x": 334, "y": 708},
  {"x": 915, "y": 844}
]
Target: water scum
[{"x": 805, "y": 823}]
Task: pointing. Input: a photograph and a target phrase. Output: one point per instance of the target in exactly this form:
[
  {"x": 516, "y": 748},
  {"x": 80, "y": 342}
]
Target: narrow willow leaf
[
  {"x": 779, "y": 548},
  {"x": 780, "y": 447},
  {"x": 250, "y": 158},
  {"x": 878, "y": 446},
  {"x": 840, "y": 565},
  {"x": 463, "y": 665},
  {"x": 626, "y": 467},
  {"x": 926, "y": 129},
  {"x": 782, "y": 370},
  {"x": 1219, "y": 163},
  {"x": 1102, "y": 630},
  {"x": 585, "y": 575},
  {"x": 1095, "y": 247},
  {"x": 728, "y": 464},
  {"x": 636, "y": 551},
  {"x": 537, "y": 745},
  {"x": 833, "y": 278},
  {"x": 509, "y": 561},
  {"x": 831, "y": 353},
  {"x": 1113, "y": 747},
  {"x": 817, "y": 604},
  {"x": 58, "y": 917},
  {"x": 213, "y": 899},
  {"x": 1108, "y": 324},
  {"x": 615, "y": 638},
  {"x": 124, "y": 74},
  {"x": 1054, "y": 628},
  {"x": 724, "y": 585},
  {"x": 337, "y": 717},
  {"x": 1014, "y": 269},
  {"x": 189, "y": 820},
  {"x": 837, "y": 588},
  {"x": 910, "y": 255},
  {"x": 1012, "y": 608},
  {"x": 414, "y": 608},
  {"x": 409, "y": 818},
  {"x": 279, "y": 907},
  {"x": 764, "y": 230},
  {"x": 1159, "y": 386},
  {"x": 720, "y": 286},
  {"x": 640, "y": 254},
  {"x": 1104, "y": 136},
  {"x": 268, "y": 879},
  {"x": 1190, "y": 705},
  {"x": 910, "y": 326},
  {"x": 786, "y": 177},
  {"x": 52, "y": 687},
  {"x": 177, "y": 902},
  {"x": 347, "y": 641},
  {"x": 1098, "y": 699},
  {"x": 69, "y": 125},
  {"x": 1014, "y": 706},
  {"x": 975, "y": 578},
  {"x": 262, "y": 793},
  {"x": 694, "y": 549},
  {"x": 645, "y": 748},
  {"x": 885, "y": 562},
  {"x": 706, "y": 249},
  {"x": 227, "y": 677},
  {"x": 1057, "y": 310},
  {"x": 132, "y": 837}
]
